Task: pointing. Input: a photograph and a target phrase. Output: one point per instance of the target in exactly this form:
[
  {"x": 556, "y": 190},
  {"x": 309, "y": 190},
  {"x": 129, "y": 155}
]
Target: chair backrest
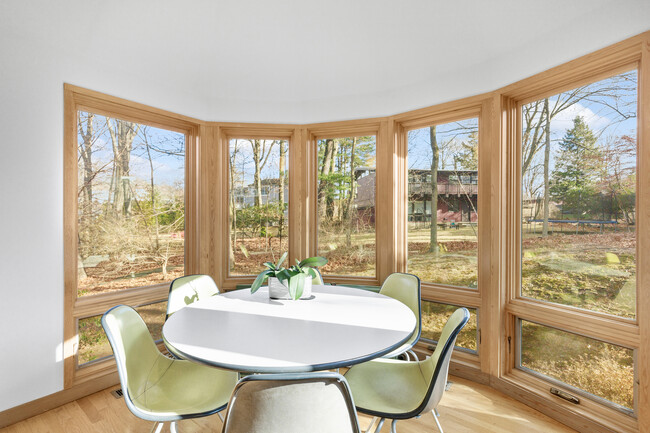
[
  {"x": 139, "y": 362},
  {"x": 318, "y": 279},
  {"x": 436, "y": 367},
  {"x": 406, "y": 289},
  {"x": 188, "y": 289},
  {"x": 291, "y": 403}
]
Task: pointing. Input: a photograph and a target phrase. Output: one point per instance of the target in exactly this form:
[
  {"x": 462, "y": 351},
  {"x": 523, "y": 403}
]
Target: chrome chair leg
[
  {"x": 379, "y": 426},
  {"x": 220, "y": 416},
  {"x": 435, "y": 418},
  {"x": 372, "y": 423},
  {"x": 411, "y": 353},
  {"x": 173, "y": 428},
  {"x": 157, "y": 427},
  {"x": 393, "y": 426}
]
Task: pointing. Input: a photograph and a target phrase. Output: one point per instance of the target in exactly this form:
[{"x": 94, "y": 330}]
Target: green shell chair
[
  {"x": 318, "y": 279},
  {"x": 188, "y": 289},
  {"x": 155, "y": 387},
  {"x": 392, "y": 389},
  {"x": 406, "y": 289},
  {"x": 291, "y": 403}
]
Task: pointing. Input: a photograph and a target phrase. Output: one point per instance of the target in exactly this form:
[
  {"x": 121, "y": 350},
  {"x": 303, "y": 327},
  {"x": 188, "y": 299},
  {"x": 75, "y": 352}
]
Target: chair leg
[
  {"x": 435, "y": 418},
  {"x": 379, "y": 426},
  {"x": 157, "y": 427},
  {"x": 220, "y": 416},
  {"x": 415, "y": 357},
  {"x": 173, "y": 427},
  {"x": 372, "y": 423},
  {"x": 393, "y": 426}
]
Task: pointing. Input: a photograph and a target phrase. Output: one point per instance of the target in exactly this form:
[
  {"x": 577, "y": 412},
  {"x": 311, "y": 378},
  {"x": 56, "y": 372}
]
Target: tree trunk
[
  {"x": 433, "y": 246},
  {"x": 329, "y": 204},
  {"x": 233, "y": 209},
  {"x": 257, "y": 177},
  {"x": 547, "y": 158},
  {"x": 348, "y": 205},
  {"x": 282, "y": 166},
  {"x": 324, "y": 185},
  {"x": 122, "y": 136}
]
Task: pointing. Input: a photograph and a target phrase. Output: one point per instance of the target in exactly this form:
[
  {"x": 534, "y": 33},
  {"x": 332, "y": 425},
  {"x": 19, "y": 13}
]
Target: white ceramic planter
[{"x": 278, "y": 290}]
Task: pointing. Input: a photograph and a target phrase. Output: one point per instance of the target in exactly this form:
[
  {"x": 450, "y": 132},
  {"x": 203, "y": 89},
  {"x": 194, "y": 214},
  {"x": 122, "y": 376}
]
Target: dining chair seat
[
  {"x": 396, "y": 390},
  {"x": 158, "y": 388}
]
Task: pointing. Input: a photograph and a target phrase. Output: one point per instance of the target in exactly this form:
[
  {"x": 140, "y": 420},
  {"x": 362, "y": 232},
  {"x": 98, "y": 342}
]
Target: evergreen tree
[{"x": 573, "y": 182}]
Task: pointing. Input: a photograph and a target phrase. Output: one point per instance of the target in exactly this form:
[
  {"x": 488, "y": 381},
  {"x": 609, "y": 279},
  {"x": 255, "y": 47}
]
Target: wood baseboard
[{"x": 43, "y": 404}]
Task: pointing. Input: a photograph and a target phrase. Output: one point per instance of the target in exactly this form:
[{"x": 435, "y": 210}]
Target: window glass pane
[
  {"x": 131, "y": 201},
  {"x": 578, "y": 197},
  {"x": 93, "y": 343},
  {"x": 346, "y": 205},
  {"x": 259, "y": 203},
  {"x": 444, "y": 249},
  {"x": 434, "y": 317},
  {"x": 602, "y": 369}
]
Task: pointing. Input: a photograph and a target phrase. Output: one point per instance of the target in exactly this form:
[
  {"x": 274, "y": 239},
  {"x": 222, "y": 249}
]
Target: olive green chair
[
  {"x": 318, "y": 279},
  {"x": 188, "y": 289},
  {"x": 291, "y": 403},
  {"x": 158, "y": 388},
  {"x": 406, "y": 289},
  {"x": 393, "y": 389}
]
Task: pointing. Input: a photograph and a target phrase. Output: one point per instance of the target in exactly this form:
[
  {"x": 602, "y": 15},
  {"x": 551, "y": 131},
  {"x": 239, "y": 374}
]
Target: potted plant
[{"x": 289, "y": 283}]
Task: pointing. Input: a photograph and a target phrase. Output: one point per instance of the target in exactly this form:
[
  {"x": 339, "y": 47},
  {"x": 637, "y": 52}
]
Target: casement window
[
  {"x": 258, "y": 207},
  {"x": 574, "y": 308},
  {"x": 346, "y": 205},
  {"x": 127, "y": 214}
]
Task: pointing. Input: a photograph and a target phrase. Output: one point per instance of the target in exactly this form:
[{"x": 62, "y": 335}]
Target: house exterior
[{"x": 457, "y": 196}]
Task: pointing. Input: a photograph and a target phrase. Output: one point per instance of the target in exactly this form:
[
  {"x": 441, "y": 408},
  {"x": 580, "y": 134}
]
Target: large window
[
  {"x": 442, "y": 217},
  {"x": 579, "y": 197},
  {"x": 578, "y": 236},
  {"x": 131, "y": 204},
  {"x": 130, "y": 219},
  {"x": 259, "y": 203},
  {"x": 346, "y": 207}
]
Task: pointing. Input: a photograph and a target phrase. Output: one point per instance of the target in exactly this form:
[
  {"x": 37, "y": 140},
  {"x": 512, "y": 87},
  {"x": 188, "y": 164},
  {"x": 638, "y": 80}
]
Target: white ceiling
[{"x": 317, "y": 60}]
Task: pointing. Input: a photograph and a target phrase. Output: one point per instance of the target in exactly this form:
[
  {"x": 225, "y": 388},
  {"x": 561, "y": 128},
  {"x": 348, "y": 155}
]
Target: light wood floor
[{"x": 466, "y": 408}]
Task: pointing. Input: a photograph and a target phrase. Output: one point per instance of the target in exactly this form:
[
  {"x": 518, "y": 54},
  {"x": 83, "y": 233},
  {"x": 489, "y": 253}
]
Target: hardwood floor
[{"x": 466, "y": 407}]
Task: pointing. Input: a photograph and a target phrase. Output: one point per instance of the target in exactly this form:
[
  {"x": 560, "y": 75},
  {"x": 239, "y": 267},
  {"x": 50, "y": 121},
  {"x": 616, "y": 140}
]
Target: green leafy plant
[{"x": 295, "y": 275}]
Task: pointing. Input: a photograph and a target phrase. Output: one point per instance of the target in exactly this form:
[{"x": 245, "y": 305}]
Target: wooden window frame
[
  {"x": 224, "y": 133},
  {"x": 633, "y": 53},
  {"x": 384, "y": 236},
  {"x": 77, "y": 99},
  {"x": 470, "y": 365}
]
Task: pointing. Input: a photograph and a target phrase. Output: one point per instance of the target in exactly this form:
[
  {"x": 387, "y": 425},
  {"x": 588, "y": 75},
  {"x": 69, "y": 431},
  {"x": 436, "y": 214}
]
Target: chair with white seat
[
  {"x": 188, "y": 289},
  {"x": 155, "y": 387},
  {"x": 393, "y": 389},
  {"x": 291, "y": 403},
  {"x": 406, "y": 289}
]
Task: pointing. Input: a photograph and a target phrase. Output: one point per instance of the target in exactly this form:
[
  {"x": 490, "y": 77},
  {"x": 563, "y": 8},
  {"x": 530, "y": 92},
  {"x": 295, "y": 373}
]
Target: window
[
  {"x": 93, "y": 342},
  {"x": 577, "y": 220},
  {"x": 346, "y": 205},
  {"x": 130, "y": 219},
  {"x": 259, "y": 203},
  {"x": 434, "y": 317},
  {"x": 445, "y": 250},
  {"x": 578, "y": 197},
  {"x": 602, "y": 369},
  {"x": 131, "y": 204}
]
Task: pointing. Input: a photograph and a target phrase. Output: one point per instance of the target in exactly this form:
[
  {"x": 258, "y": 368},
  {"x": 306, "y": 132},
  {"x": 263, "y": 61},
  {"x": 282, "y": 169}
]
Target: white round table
[{"x": 340, "y": 326}]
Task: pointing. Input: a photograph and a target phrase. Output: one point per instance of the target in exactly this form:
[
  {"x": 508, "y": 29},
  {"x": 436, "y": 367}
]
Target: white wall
[{"x": 41, "y": 47}]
